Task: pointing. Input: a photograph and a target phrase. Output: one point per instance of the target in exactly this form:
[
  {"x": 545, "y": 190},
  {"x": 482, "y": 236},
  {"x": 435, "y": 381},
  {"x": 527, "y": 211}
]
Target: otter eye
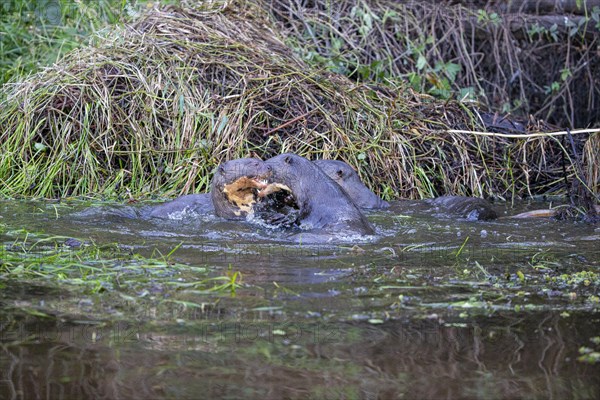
[{"x": 340, "y": 173}]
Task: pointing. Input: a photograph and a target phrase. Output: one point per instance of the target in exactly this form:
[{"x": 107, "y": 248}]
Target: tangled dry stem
[
  {"x": 153, "y": 107},
  {"x": 510, "y": 61}
]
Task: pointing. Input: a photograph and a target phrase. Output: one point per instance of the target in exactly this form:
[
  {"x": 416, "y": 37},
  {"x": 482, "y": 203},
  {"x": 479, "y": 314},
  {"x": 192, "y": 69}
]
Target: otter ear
[{"x": 288, "y": 159}]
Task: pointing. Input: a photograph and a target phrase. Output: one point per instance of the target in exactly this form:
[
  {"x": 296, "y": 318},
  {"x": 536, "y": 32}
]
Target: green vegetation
[
  {"x": 457, "y": 51},
  {"x": 36, "y": 34},
  {"x": 150, "y": 109},
  {"x": 589, "y": 355},
  {"x": 155, "y": 106},
  {"x": 125, "y": 278}
]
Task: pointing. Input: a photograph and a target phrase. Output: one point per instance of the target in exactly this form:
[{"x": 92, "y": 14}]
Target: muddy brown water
[{"x": 431, "y": 307}]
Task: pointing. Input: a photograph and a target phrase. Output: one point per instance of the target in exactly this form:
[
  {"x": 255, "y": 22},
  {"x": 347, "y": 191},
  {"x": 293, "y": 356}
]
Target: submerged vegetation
[
  {"x": 131, "y": 284},
  {"x": 154, "y": 106},
  {"x": 198, "y": 274}
]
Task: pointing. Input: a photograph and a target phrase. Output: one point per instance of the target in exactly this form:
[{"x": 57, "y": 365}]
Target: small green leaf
[
  {"x": 40, "y": 147},
  {"x": 222, "y": 124},
  {"x": 452, "y": 70},
  {"x": 421, "y": 62}
]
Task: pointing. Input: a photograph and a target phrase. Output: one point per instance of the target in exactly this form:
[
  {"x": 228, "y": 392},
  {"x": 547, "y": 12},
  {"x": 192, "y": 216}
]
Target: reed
[{"x": 152, "y": 107}]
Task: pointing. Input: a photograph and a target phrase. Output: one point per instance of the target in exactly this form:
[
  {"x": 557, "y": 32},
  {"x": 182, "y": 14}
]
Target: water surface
[{"x": 430, "y": 307}]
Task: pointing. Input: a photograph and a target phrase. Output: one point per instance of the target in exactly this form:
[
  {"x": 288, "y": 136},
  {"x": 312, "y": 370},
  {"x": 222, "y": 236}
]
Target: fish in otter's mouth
[
  {"x": 245, "y": 191},
  {"x": 278, "y": 195},
  {"x": 278, "y": 206},
  {"x": 273, "y": 188},
  {"x": 276, "y": 203}
]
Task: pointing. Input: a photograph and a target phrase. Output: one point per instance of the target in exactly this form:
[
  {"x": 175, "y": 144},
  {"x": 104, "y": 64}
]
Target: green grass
[
  {"x": 455, "y": 51},
  {"x": 36, "y": 34},
  {"x": 86, "y": 268},
  {"x": 153, "y": 107}
]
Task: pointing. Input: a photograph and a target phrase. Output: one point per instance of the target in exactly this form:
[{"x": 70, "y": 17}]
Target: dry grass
[
  {"x": 153, "y": 107},
  {"x": 544, "y": 65}
]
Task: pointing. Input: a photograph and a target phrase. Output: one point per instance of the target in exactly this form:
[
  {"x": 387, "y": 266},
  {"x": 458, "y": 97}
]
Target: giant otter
[
  {"x": 345, "y": 176},
  {"x": 234, "y": 190},
  {"x": 181, "y": 206},
  {"x": 277, "y": 211},
  {"x": 323, "y": 206},
  {"x": 235, "y": 186},
  {"x": 470, "y": 208}
]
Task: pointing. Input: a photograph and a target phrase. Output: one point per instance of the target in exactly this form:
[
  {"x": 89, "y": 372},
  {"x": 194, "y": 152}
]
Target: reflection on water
[
  {"x": 532, "y": 356},
  {"x": 434, "y": 308}
]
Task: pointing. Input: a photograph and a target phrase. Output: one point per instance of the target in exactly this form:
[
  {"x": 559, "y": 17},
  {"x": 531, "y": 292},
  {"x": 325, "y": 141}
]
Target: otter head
[
  {"x": 285, "y": 198},
  {"x": 289, "y": 169},
  {"x": 315, "y": 200},
  {"x": 292, "y": 174},
  {"x": 345, "y": 176},
  {"x": 470, "y": 208},
  {"x": 235, "y": 187}
]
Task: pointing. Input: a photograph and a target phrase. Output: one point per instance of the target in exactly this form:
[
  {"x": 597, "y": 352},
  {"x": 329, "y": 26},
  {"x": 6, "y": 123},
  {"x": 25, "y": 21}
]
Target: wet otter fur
[
  {"x": 322, "y": 204},
  {"x": 345, "y": 176},
  {"x": 191, "y": 203},
  {"x": 476, "y": 209},
  {"x": 234, "y": 192},
  {"x": 235, "y": 187},
  {"x": 470, "y": 208}
]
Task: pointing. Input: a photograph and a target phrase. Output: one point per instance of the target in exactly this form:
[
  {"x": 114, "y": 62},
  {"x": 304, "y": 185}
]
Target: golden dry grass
[{"x": 155, "y": 106}]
